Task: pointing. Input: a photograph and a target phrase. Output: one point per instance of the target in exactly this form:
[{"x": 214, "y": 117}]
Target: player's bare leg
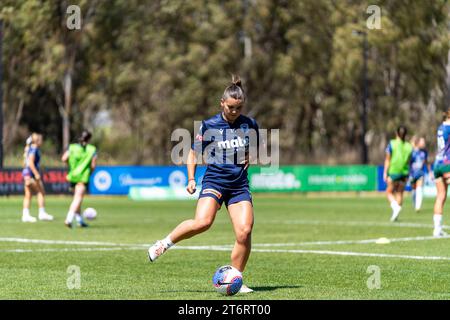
[
  {"x": 391, "y": 191},
  {"x": 75, "y": 206},
  {"x": 26, "y": 217},
  {"x": 205, "y": 214},
  {"x": 43, "y": 215},
  {"x": 241, "y": 215}
]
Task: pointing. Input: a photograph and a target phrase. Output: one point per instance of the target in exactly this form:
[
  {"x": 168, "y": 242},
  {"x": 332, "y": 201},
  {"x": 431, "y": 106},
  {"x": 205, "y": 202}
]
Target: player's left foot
[
  {"x": 83, "y": 224},
  {"x": 245, "y": 289},
  {"x": 44, "y": 216}
]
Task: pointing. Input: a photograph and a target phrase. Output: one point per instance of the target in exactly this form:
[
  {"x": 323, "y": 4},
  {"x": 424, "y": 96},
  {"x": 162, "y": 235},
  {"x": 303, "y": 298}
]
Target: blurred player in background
[
  {"x": 419, "y": 167},
  {"x": 441, "y": 173},
  {"x": 223, "y": 182},
  {"x": 396, "y": 170},
  {"x": 33, "y": 180},
  {"x": 82, "y": 158}
]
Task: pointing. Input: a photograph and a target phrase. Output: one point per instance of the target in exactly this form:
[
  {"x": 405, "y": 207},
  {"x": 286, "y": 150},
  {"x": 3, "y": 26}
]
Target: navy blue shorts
[
  {"x": 27, "y": 173},
  {"x": 227, "y": 195},
  {"x": 415, "y": 176}
]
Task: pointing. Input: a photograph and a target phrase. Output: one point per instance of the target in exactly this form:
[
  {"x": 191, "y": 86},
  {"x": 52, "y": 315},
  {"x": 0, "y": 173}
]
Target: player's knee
[
  {"x": 441, "y": 197},
  {"x": 244, "y": 234},
  {"x": 202, "y": 224}
]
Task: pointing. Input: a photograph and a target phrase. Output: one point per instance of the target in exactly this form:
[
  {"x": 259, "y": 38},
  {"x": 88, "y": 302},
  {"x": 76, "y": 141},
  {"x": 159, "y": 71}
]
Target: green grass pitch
[{"x": 303, "y": 248}]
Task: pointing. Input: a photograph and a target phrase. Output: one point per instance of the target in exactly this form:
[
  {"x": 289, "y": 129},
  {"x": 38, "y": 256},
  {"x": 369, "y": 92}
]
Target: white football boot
[
  {"x": 44, "y": 216},
  {"x": 156, "y": 250},
  {"x": 245, "y": 289},
  {"x": 396, "y": 213},
  {"x": 28, "y": 218},
  {"x": 439, "y": 233}
]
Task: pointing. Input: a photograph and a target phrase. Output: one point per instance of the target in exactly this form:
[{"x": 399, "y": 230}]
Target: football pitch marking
[
  {"x": 359, "y": 223},
  {"x": 117, "y": 247},
  {"x": 288, "y": 244},
  {"x": 218, "y": 248}
]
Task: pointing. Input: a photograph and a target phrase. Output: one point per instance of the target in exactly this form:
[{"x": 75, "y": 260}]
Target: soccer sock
[
  {"x": 78, "y": 217},
  {"x": 437, "y": 221},
  {"x": 395, "y": 205},
  {"x": 26, "y": 212},
  {"x": 41, "y": 210},
  {"x": 419, "y": 197},
  {"x": 70, "y": 216},
  {"x": 413, "y": 195},
  {"x": 167, "y": 242}
]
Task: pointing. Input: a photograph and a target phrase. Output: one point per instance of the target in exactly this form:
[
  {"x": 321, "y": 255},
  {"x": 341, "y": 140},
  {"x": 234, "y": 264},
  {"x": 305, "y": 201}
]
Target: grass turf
[{"x": 282, "y": 222}]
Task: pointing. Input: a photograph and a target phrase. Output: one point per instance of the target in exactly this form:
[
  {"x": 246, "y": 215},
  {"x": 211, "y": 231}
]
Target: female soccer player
[
  {"x": 82, "y": 158},
  {"x": 225, "y": 179},
  {"x": 32, "y": 179},
  {"x": 396, "y": 169},
  {"x": 442, "y": 173},
  {"x": 418, "y": 167}
]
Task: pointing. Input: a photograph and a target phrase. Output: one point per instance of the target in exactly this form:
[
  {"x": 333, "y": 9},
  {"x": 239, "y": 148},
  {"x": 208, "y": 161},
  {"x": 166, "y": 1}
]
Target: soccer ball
[
  {"x": 90, "y": 213},
  {"x": 227, "y": 280}
]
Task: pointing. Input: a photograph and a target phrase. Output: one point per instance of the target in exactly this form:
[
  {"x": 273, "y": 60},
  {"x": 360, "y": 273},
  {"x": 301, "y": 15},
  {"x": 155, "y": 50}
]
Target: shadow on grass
[
  {"x": 272, "y": 288},
  {"x": 256, "y": 289}
]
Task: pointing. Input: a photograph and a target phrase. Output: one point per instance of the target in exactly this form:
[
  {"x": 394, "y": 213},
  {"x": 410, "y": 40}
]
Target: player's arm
[
  {"x": 33, "y": 168},
  {"x": 65, "y": 156},
  {"x": 191, "y": 167},
  {"x": 94, "y": 163},
  {"x": 387, "y": 162}
]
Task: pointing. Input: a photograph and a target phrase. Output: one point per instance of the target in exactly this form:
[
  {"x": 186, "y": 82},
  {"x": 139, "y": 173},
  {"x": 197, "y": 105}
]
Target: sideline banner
[
  {"x": 117, "y": 180},
  {"x": 314, "y": 178},
  {"x": 11, "y": 181}
]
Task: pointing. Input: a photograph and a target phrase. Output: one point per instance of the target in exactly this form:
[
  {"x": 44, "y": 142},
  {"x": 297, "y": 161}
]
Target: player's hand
[
  {"x": 431, "y": 175},
  {"x": 191, "y": 187},
  {"x": 385, "y": 177},
  {"x": 246, "y": 162},
  {"x": 37, "y": 177}
]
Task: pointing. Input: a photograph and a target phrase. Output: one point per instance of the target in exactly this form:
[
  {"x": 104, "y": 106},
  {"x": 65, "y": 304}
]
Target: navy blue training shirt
[{"x": 225, "y": 146}]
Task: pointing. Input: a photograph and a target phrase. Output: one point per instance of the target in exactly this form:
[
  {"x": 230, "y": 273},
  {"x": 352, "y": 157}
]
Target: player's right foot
[
  {"x": 439, "y": 233},
  {"x": 156, "y": 250},
  {"x": 245, "y": 289},
  {"x": 396, "y": 213},
  {"x": 44, "y": 216},
  {"x": 68, "y": 224},
  {"x": 28, "y": 218}
]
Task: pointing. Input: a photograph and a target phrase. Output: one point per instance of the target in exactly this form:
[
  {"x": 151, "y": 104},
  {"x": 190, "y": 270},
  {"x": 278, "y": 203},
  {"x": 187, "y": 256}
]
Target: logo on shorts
[{"x": 212, "y": 191}]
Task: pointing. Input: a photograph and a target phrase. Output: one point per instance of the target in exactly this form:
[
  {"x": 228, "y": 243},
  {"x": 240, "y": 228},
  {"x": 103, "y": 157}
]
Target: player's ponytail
[
  {"x": 446, "y": 115},
  {"x": 84, "y": 137},
  {"x": 234, "y": 90},
  {"x": 401, "y": 132},
  {"x": 30, "y": 140}
]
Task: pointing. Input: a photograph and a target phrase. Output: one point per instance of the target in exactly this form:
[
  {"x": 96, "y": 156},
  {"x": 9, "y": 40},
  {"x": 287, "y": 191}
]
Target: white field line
[
  {"x": 227, "y": 248},
  {"x": 91, "y": 243},
  {"x": 347, "y": 241},
  {"x": 307, "y": 243},
  {"x": 359, "y": 223},
  {"x": 324, "y": 252},
  {"x": 218, "y": 248},
  {"x": 70, "y": 249}
]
